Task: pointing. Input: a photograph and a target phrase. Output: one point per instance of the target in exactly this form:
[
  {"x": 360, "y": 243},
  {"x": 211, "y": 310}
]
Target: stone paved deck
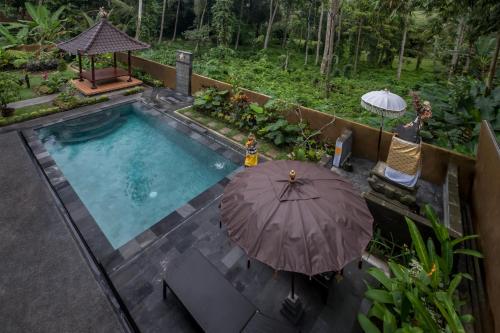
[
  {"x": 139, "y": 282},
  {"x": 46, "y": 285}
]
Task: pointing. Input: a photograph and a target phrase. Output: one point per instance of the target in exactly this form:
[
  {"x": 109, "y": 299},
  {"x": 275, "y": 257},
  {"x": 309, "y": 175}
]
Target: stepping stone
[
  {"x": 225, "y": 130},
  {"x": 212, "y": 124},
  {"x": 188, "y": 113},
  {"x": 239, "y": 137}
]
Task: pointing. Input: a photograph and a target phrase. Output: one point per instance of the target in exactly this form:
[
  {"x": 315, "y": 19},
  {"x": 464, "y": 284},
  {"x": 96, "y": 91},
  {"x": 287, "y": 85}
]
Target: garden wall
[
  {"x": 435, "y": 159},
  {"x": 486, "y": 213}
]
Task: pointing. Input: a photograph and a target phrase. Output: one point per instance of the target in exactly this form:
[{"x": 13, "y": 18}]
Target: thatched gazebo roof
[{"x": 102, "y": 38}]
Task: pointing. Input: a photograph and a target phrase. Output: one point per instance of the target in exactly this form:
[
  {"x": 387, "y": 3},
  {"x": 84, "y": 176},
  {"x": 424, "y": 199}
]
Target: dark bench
[{"x": 211, "y": 300}]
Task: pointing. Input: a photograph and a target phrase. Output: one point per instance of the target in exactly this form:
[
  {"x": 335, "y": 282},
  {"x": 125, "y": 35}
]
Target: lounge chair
[{"x": 212, "y": 301}]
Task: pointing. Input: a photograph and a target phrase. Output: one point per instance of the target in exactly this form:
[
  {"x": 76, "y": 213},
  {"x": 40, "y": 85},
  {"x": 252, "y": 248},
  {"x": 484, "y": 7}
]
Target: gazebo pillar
[
  {"x": 80, "y": 66},
  {"x": 114, "y": 60},
  {"x": 93, "y": 71},
  {"x": 129, "y": 67}
]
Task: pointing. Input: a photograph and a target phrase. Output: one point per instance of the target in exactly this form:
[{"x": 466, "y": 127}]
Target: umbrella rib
[
  {"x": 305, "y": 241},
  {"x": 268, "y": 219}
]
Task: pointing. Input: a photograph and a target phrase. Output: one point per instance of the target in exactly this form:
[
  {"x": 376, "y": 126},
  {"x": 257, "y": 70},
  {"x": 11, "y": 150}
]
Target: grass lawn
[
  {"x": 32, "y": 108},
  {"x": 35, "y": 81}
]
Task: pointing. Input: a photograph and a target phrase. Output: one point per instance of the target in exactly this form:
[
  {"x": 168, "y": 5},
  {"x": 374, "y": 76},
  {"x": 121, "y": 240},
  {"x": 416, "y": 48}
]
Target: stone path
[{"x": 33, "y": 101}]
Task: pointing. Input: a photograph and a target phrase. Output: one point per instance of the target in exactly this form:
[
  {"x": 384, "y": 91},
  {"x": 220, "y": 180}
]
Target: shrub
[
  {"x": 9, "y": 91},
  {"x": 421, "y": 296},
  {"x": 133, "y": 91}
]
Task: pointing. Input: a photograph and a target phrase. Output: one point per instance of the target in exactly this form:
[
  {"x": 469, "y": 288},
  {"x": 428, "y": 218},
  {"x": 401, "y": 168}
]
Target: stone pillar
[{"x": 183, "y": 71}]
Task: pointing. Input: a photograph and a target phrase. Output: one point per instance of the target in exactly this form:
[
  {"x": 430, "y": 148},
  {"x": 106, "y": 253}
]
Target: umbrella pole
[
  {"x": 293, "y": 285},
  {"x": 380, "y": 137}
]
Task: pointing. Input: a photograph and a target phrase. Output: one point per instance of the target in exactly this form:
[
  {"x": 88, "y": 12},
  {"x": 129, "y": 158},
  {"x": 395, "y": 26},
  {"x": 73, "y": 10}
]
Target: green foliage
[
  {"x": 9, "y": 89},
  {"x": 133, "y": 91},
  {"x": 421, "y": 296},
  {"x": 462, "y": 105},
  {"x": 223, "y": 21},
  {"x": 53, "y": 84},
  {"x": 147, "y": 78},
  {"x": 71, "y": 104}
]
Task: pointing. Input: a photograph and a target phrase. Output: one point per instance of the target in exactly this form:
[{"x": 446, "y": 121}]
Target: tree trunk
[
  {"x": 286, "y": 60},
  {"x": 162, "y": 21},
  {"x": 358, "y": 42},
  {"x": 402, "y": 50},
  {"x": 308, "y": 33},
  {"x": 493, "y": 65},
  {"x": 326, "y": 63},
  {"x": 339, "y": 30},
  {"x": 458, "y": 43},
  {"x": 272, "y": 15},
  {"x": 139, "y": 20},
  {"x": 320, "y": 27},
  {"x": 200, "y": 24},
  {"x": 469, "y": 57},
  {"x": 176, "y": 19},
  {"x": 287, "y": 25},
  {"x": 239, "y": 26}
]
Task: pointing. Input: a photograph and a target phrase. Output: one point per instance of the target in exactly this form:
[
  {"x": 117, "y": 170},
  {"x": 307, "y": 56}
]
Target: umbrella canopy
[
  {"x": 317, "y": 223},
  {"x": 384, "y": 103}
]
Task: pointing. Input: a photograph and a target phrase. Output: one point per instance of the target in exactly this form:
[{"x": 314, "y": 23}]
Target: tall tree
[
  {"x": 162, "y": 21},
  {"x": 223, "y": 21},
  {"x": 139, "y": 20},
  {"x": 272, "y": 15},
  {"x": 308, "y": 32},
  {"x": 176, "y": 19},
  {"x": 493, "y": 64},
  {"x": 240, "y": 16},
  {"x": 326, "y": 62},
  {"x": 402, "y": 9},
  {"x": 320, "y": 29}
]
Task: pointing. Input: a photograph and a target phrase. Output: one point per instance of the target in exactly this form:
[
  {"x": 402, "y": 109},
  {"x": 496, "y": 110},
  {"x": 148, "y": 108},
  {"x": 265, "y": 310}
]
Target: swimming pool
[{"x": 131, "y": 168}]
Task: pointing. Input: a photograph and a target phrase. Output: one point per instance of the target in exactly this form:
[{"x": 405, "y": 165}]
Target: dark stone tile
[
  {"x": 224, "y": 181},
  {"x": 146, "y": 238},
  {"x": 185, "y": 243},
  {"x": 166, "y": 224}
]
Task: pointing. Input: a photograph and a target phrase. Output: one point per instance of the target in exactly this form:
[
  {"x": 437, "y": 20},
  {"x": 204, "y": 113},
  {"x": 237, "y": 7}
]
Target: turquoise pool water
[{"x": 131, "y": 169}]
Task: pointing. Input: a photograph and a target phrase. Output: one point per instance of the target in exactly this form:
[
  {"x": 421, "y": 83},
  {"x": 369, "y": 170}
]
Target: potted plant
[{"x": 9, "y": 92}]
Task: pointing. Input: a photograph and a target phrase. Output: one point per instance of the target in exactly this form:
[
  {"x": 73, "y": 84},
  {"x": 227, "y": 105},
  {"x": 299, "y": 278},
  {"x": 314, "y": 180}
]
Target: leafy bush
[
  {"x": 421, "y": 296},
  {"x": 53, "y": 84},
  {"x": 9, "y": 91},
  {"x": 213, "y": 102},
  {"x": 73, "y": 103},
  {"x": 457, "y": 112},
  {"x": 36, "y": 65},
  {"x": 133, "y": 91},
  {"x": 147, "y": 78}
]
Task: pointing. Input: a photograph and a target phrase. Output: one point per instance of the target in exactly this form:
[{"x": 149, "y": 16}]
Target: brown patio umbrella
[{"x": 313, "y": 224}]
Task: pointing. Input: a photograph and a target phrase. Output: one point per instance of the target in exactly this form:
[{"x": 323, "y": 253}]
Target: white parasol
[{"x": 385, "y": 104}]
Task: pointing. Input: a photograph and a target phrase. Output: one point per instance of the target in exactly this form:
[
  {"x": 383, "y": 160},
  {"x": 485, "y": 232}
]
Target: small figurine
[
  {"x": 27, "y": 80},
  {"x": 45, "y": 76},
  {"x": 251, "y": 158}
]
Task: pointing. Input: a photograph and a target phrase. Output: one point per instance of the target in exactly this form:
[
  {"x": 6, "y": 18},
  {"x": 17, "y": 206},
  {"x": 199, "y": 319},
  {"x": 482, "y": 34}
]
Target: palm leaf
[
  {"x": 418, "y": 244},
  {"x": 367, "y": 325},
  {"x": 469, "y": 252}
]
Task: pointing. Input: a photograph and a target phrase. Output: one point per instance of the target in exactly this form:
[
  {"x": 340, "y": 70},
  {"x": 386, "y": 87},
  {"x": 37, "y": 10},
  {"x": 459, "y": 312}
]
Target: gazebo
[{"x": 99, "y": 39}]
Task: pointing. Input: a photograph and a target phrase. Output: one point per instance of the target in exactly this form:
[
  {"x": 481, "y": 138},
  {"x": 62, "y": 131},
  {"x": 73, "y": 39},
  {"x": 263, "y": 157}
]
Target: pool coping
[{"x": 111, "y": 259}]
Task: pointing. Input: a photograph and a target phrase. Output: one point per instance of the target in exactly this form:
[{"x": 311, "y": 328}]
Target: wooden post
[
  {"x": 129, "y": 68},
  {"x": 80, "y": 66},
  {"x": 93, "y": 71},
  {"x": 114, "y": 60}
]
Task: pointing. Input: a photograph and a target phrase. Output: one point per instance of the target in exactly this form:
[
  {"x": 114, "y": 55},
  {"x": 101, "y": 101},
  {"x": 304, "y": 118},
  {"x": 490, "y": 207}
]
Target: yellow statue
[{"x": 251, "y": 158}]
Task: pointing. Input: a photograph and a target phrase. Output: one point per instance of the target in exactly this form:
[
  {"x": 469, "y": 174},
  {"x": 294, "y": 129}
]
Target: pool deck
[
  {"x": 52, "y": 283},
  {"x": 46, "y": 283}
]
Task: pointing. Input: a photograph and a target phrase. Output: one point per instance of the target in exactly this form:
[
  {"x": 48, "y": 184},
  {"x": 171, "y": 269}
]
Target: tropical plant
[
  {"x": 421, "y": 296},
  {"x": 44, "y": 27},
  {"x": 213, "y": 102},
  {"x": 13, "y": 34},
  {"x": 9, "y": 91}
]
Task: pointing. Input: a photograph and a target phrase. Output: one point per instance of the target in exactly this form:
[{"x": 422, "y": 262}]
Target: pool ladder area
[{"x": 89, "y": 127}]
